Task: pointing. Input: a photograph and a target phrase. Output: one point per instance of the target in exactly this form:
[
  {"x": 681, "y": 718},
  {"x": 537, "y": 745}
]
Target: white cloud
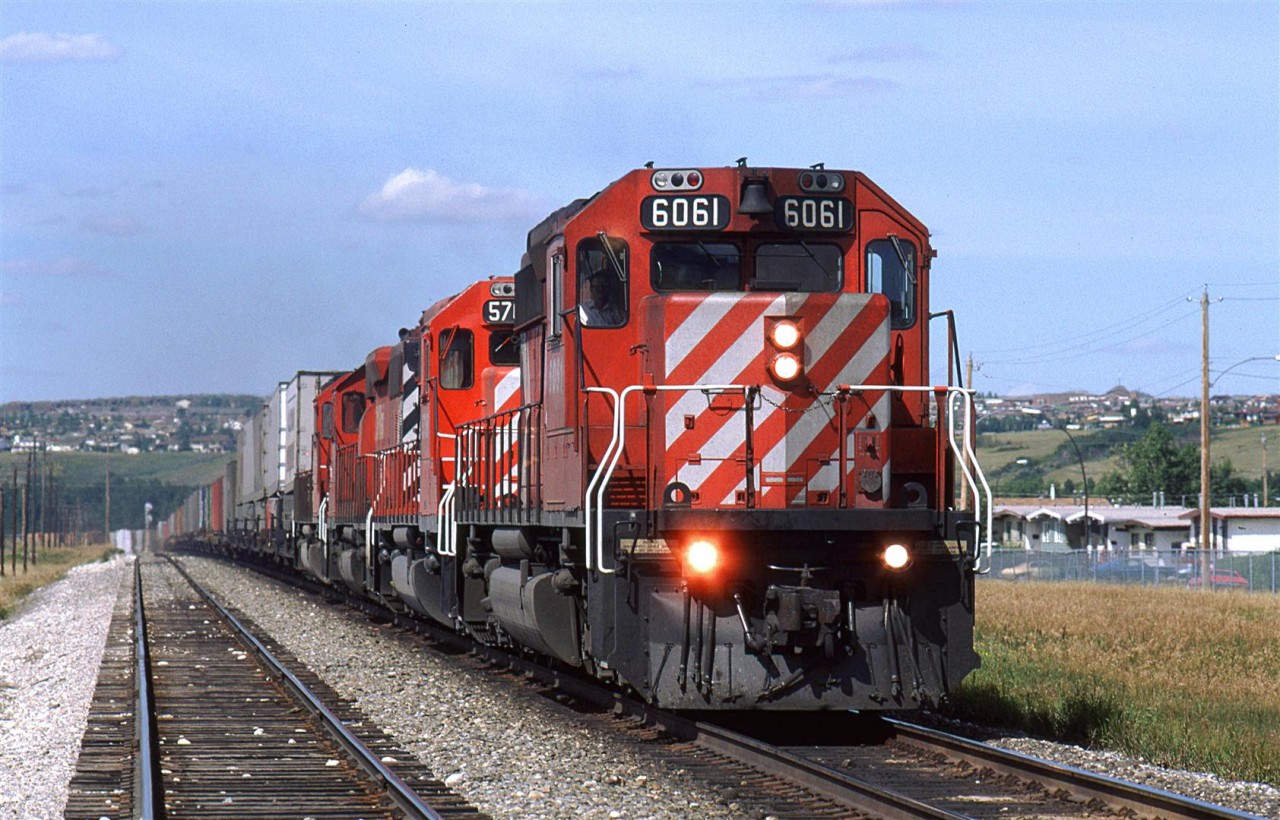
[
  {"x": 428, "y": 196},
  {"x": 58, "y": 48},
  {"x": 66, "y": 267}
]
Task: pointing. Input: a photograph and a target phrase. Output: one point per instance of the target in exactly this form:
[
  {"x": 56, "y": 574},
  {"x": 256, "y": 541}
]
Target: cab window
[
  {"x": 326, "y": 421},
  {"x": 807, "y": 267},
  {"x": 353, "y": 405},
  {"x": 456, "y": 359},
  {"x": 504, "y": 348},
  {"x": 602, "y": 283},
  {"x": 891, "y": 270},
  {"x": 702, "y": 266}
]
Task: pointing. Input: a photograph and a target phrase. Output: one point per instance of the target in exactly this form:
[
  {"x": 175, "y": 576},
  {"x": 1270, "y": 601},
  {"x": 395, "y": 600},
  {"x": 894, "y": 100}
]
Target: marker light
[
  {"x": 785, "y": 367},
  {"x": 702, "y": 557},
  {"x": 896, "y": 556},
  {"x": 785, "y": 335}
]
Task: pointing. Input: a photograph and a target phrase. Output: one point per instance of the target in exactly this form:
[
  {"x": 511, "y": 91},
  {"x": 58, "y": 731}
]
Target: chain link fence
[{"x": 1254, "y": 572}]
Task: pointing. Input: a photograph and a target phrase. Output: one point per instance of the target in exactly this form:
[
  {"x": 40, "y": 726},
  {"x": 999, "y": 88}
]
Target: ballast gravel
[
  {"x": 508, "y": 753},
  {"x": 50, "y": 650},
  {"x": 513, "y": 758}
]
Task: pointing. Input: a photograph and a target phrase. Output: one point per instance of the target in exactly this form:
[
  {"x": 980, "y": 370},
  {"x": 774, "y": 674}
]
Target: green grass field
[
  {"x": 84, "y": 469},
  {"x": 1178, "y": 677},
  {"x": 1000, "y": 451}
]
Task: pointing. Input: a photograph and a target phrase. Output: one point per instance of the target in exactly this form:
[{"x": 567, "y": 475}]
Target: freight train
[{"x": 691, "y": 448}]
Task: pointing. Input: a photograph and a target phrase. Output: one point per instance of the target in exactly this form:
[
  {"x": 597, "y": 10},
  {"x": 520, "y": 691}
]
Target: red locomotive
[{"x": 691, "y": 447}]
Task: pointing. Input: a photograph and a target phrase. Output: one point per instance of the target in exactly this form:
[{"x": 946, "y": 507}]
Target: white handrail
[
  {"x": 978, "y": 497},
  {"x": 594, "y": 500},
  {"x": 596, "y": 478},
  {"x": 444, "y": 517}
]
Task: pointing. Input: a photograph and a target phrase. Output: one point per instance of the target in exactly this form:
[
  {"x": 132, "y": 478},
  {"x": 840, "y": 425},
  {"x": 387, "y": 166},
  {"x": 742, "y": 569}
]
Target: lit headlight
[
  {"x": 896, "y": 556},
  {"x": 785, "y": 335},
  {"x": 786, "y": 367},
  {"x": 702, "y": 556}
]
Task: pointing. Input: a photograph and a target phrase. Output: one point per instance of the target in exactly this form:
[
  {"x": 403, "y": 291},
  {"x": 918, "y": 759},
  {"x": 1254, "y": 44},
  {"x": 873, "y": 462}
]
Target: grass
[
  {"x": 90, "y": 469},
  {"x": 1176, "y": 677},
  {"x": 1241, "y": 445},
  {"x": 53, "y": 564}
]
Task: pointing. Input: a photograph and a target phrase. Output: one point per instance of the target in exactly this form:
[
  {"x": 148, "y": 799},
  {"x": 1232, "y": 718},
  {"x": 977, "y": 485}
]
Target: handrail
[
  {"x": 594, "y": 500},
  {"x": 447, "y": 543},
  {"x": 978, "y": 498}
]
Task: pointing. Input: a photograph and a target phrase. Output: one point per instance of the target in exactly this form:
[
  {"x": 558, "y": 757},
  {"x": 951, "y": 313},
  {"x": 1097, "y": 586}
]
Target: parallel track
[
  {"x": 894, "y": 769},
  {"x": 236, "y": 735}
]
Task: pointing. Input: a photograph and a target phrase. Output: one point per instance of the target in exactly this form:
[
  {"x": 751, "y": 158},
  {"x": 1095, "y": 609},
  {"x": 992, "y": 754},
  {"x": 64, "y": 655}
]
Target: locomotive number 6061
[
  {"x": 685, "y": 213},
  {"x": 805, "y": 213}
]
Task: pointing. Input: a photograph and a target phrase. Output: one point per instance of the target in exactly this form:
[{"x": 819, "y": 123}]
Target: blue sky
[{"x": 207, "y": 197}]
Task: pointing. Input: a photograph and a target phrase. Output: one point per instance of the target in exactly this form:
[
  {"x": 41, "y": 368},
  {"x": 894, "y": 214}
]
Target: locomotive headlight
[
  {"x": 785, "y": 335},
  {"x": 701, "y": 556},
  {"x": 786, "y": 367},
  {"x": 896, "y": 556}
]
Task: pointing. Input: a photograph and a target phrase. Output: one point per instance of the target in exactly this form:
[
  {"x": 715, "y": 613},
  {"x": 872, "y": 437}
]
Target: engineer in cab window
[{"x": 598, "y": 303}]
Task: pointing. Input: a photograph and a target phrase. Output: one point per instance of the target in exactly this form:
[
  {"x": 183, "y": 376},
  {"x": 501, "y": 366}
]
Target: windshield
[
  {"x": 798, "y": 266},
  {"x": 695, "y": 266}
]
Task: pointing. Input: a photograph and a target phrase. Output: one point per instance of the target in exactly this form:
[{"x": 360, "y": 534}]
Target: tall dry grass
[
  {"x": 1177, "y": 677},
  {"x": 52, "y": 563}
]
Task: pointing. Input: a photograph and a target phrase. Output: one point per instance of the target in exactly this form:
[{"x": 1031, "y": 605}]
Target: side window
[
  {"x": 602, "y": 282},
  {"x": 353, "y": 404},
  {"x": 456, "y": 359},
  {"x": 557, "y": 293},
  {"x": 891, "y": 270},
  {"x": 326, "y": 421},
  {"x": 504, "y": 348}
]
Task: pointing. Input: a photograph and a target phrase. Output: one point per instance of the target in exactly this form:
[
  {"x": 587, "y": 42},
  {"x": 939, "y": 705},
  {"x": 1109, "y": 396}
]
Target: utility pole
[
  {"x": 44, "y": 499},
  {"x": 106, "y": 516},
  {"x": 1206, "y": 523},
  {"x": 1266, "y": 502}
]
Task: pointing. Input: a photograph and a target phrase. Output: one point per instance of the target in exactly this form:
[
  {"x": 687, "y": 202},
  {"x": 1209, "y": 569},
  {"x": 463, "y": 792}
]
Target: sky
[{"x": 208, "y": 197}]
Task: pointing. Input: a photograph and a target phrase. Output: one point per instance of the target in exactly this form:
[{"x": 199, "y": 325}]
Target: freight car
[{"x": 691, "y": 447}]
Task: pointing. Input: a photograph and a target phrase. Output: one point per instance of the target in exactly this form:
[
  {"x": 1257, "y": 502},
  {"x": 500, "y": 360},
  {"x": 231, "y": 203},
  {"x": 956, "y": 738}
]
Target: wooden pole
[
  {"x": 1206, "y": 521},
  {"x": 107, "y": 516},
  {"x": 1266, "y": 502},
  {"x": 26, "y": 514}
]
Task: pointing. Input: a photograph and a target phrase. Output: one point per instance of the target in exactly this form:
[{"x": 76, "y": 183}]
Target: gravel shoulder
[{"x": 50, "y": 651}]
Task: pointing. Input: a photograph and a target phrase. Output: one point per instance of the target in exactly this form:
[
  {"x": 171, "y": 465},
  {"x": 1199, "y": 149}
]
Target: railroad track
[
  {"x": 222, "y": 728},
  {"x": 810, "y": 767}
]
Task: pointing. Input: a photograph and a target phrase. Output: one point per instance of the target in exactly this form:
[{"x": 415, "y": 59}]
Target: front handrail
[{"x": 594, "y": 497}]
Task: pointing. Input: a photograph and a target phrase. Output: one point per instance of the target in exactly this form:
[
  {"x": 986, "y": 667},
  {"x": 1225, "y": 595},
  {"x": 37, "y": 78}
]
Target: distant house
[
  {"x": 1239, "y": 529},
  {"x": 1062, "y": 527}
]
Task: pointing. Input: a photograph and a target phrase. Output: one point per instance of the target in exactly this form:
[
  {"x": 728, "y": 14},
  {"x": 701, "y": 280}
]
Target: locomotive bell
[{"x": 755, "y": 199}]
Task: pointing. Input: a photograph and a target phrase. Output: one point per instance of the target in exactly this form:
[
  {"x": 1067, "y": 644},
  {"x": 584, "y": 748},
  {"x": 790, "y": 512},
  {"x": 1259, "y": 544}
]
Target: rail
[
  {"x": 404, "y": 797},
  {"x": 149, "y": 793}
]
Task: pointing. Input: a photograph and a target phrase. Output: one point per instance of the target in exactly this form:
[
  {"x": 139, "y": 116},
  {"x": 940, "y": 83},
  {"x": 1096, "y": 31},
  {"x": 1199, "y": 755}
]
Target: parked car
[
  {"x": 1221, "y": 578},
  {"x": 1134, "y": 569},
  {"x": 1039, "y": 568}
]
